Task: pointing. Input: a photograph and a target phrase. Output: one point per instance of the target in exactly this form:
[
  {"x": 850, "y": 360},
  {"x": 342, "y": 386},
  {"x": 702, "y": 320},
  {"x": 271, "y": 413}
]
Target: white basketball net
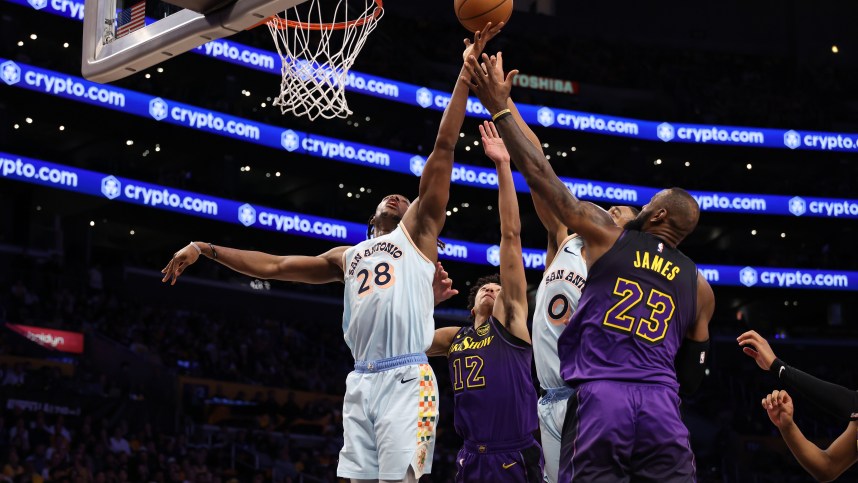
[{"x": 317, "y": 51}]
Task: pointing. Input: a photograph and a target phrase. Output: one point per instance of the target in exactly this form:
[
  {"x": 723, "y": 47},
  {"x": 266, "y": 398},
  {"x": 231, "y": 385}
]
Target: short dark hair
[
  {"x": 472, "y": 295},
  {"x": 684, "y": 210},
  {"x": 635, "y": 211}
]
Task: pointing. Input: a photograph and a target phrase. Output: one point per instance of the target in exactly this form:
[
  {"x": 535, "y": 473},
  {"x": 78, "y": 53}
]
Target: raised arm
[
  {"x": 325, "y": 268},
  {"x": 557, "y": 231},
  {"x": 511, "y": 307},
  {"x": 490, "y": 85},
  {"x": 425, "y": 217},
  {"x": 823, "y": 465},
  {"x": 838, "y": 401}
]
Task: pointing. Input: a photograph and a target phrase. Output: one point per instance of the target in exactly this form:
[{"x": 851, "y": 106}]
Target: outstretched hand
[
  {"x": 481, "y": 38},
  {"x": 754, "y": 346},
  {"x": 442, "y": 285},
  {"x": 493, "y": 144},
  {"x": 488, "y": 82},
  {"x": 181, "y": 260},
  {"x": 779, "y": 407}
]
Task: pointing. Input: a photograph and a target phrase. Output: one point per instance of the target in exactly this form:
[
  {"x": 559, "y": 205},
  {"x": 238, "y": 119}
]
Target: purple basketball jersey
[
  {"x": 639, "y": 301},
  {"x": 494, "y": 395}
]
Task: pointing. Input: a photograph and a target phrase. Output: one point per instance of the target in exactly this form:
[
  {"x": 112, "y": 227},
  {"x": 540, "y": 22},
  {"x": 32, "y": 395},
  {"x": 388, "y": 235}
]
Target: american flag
[{"x": 131, "y": 19}]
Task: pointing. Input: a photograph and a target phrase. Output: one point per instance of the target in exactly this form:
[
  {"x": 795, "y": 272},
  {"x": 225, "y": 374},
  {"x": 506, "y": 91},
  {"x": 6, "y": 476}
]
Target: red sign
[{"x": 58, "y": 340}]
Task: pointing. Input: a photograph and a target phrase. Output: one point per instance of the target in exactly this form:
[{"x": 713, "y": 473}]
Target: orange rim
[{"x": 282, "y": 24}]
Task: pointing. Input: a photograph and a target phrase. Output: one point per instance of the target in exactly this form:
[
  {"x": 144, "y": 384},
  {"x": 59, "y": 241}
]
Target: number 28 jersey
[
  {"x": 388, "y": 303},
  {"x": 638, "y": 303}
]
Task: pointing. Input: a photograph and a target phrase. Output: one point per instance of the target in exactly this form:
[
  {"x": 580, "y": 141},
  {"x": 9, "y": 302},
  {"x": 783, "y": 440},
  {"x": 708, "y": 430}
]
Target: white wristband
[{"x": 199, "y": 251}]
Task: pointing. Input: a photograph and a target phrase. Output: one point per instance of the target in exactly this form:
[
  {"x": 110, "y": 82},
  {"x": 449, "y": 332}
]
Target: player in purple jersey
[
  {"x": 642, "y": 324},
  {"x": 490, "y": 359},
  {"x": 556, "y": 300}
]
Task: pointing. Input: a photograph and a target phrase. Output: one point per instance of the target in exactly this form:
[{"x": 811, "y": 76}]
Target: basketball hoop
[{"x": 316, "y": 50}]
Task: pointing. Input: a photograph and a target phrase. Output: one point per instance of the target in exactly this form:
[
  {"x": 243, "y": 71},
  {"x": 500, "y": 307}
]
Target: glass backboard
[{"x": 121, "y": 37}]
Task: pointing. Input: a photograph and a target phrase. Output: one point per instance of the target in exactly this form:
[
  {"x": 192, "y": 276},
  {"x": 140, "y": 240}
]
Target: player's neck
[
  {"x": 384, "y": 225},
  {"x": 666, "y": 234},
  {"x": 480, "y": 319}
]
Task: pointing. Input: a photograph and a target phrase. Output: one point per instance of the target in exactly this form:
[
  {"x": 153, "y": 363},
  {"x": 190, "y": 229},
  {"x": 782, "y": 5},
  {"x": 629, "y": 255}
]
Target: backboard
[{"x": 121, "y": 37}]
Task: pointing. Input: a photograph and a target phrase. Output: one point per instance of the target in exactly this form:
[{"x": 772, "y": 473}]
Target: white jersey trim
[
  {"x": 408, "y": 236},
  {"x": 559, "y": 249}
]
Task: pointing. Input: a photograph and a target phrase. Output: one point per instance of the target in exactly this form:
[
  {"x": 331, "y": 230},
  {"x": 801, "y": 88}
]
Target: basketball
[{"x": 475, "y": 14}]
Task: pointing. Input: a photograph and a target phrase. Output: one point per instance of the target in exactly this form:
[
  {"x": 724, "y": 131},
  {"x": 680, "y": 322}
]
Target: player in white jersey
[
  {"x": 556, "y": 300},
  {"x": 390, "y": 407}
]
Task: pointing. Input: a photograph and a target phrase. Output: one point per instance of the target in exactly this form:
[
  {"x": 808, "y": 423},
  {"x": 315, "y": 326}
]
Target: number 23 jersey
[
  {"x": 638, "y": 303},
  {"x": 388, "y": 303}
]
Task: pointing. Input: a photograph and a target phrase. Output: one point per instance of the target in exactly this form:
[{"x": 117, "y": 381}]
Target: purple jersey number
[
  {"x": 651, "y": 329},
  {"x": 474, "y": 379}
]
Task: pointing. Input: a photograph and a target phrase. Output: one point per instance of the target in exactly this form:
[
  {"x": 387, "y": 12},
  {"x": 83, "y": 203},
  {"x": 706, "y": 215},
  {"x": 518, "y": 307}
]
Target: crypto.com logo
[
  {"x": 417, "y": 164},
  {"x": 424, "y": 97},
  {"x": 289, "y": 140},
  {"x": 545, "y": 116},
  {"x": 10, "y": 72},
  {"x": 797, "y": 206},
  {"x": 110, "y": 187},
  {"x": 246, "y": 214},
  {"x": 158, "y": 108},
  {"x": 792, "y": 139},
  {"x": 493, "y": 255},
  {"x": 748, "y": 277},
  {"x": 665, "y": 132},
  {"x": 38, "y": 4}
]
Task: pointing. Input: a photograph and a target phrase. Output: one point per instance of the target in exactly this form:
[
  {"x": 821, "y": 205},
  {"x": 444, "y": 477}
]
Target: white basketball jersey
[
  {"x": 388, "y": 303},
  {"x": 556, "y": 300}
]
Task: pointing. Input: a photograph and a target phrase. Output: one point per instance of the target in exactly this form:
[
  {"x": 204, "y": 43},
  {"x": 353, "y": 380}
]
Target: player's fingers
[
  {"x": 750, "y": 352},
  {"x": 494, "y": 130},
  {"x": 490, "y": 73},
  {"x": 741, "y": 337},
  {"x": 473, "y": 67},
  {"x": 483, "y": 133},
  {"x": 510, "y": 78},
  {"x": 775, "y": 398},
  {"x": 454, "y": 292},
  {"x": 785, "y": 398},
  {"x": 763, "y": 403},
  {"x": 769, "y": 401}
]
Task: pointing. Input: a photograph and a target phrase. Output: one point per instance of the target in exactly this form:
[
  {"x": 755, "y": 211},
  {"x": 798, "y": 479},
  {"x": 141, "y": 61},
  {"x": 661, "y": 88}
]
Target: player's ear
[{"x": 660, "y": 215}]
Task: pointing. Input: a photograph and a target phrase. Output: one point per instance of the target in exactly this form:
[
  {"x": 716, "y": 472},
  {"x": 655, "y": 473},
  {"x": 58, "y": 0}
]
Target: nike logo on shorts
[
  {"x": 403, "y": 381},
  {"x": 507, "y": 466}
]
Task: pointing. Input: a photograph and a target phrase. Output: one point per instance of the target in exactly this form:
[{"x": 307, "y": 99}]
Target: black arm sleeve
[
  {"x": 690, "y": 365},
  {"x": 836, "y": 400}
]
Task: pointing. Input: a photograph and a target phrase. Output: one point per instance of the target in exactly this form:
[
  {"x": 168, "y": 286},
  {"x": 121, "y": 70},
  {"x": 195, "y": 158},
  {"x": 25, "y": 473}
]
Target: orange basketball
[{"x": 475, "y": 14}]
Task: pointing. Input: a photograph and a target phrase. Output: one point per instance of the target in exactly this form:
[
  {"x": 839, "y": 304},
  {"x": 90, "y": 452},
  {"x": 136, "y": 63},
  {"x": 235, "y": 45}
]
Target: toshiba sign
[
  {"x": 58, "y": 340},
  {"x": 561, "y": 86}
]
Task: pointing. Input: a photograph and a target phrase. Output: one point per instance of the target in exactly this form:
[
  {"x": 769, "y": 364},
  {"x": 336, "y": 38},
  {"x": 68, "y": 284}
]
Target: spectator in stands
[
  {"x": 13, "y": 466},
  {"x": 118, "y": 443},
  {"x": 14, "y": 376}
]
